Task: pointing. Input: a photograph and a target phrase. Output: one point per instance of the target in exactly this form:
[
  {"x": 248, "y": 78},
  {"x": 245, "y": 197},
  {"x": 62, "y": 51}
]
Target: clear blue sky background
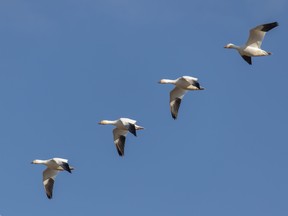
[{"x": 66, "y": 65}]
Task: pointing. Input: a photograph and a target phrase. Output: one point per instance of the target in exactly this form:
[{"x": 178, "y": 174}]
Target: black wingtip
[
  {"x": 174, "y": 116},
  {"x": 276, "y": 24},
  {"x": 197, "y": 84},
  {"x": 132, "y": 129},
  {"x": 248, "y": 59},
  {"x": 175, "y": 108},
  {"x": 267, "y": 27},
  {"x": 49, "y": 188},
  {"x": 66, "y": 167},
  {"x": 121, "y": 145},
  {"x": 121, "y": 154}
]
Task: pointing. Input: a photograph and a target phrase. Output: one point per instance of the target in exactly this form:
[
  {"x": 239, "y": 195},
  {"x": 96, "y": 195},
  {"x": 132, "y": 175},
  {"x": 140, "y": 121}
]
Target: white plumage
[
  {"x": 54, "y": 165},
  {"x": 182, "y": 85},
  {"x": 123, "y": 125},
  {"x": 252, "y": 48}
]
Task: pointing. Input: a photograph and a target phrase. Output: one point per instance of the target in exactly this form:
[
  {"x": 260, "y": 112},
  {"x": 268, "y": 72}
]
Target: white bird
[
  {"x": 123, "y": 125},
  {"x": 182, "y": 85},
  {"x": 252, "y": 48},
  {"x": 54, "y": 165}
]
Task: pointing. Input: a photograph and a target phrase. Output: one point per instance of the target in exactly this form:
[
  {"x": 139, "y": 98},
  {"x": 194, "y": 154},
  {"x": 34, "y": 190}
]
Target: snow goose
[
  {"x": 252, "y": 48},
  {"x": 123, "y": 125},
  {"x": 54, "y": 165},
  {"x": 182, "y": 85}
]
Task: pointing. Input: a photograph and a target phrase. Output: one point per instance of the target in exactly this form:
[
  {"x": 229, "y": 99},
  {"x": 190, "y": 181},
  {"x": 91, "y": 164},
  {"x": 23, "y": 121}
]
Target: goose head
[
  {"x": 37, "y": 161},
  {"x": 107, "y": 122},
  {"x": 167, "y": 81},
  {"x": 229, "y": 46}
]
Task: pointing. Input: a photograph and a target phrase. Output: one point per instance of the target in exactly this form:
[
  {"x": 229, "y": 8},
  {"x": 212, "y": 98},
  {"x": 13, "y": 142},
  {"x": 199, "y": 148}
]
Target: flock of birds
[{"x": 252, "y": 48}]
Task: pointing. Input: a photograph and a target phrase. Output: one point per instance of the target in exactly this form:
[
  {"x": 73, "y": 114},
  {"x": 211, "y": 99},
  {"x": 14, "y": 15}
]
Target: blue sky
[{"x": 66, "y": 65}]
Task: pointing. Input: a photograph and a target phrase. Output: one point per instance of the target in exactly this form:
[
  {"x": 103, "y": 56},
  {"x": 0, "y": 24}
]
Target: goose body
[
  {"x": 252, "y": 48},
  {"x": 54, "y": 166},
  {"x": 122, "y": 127},
  {"x": 182, "y": 85}
]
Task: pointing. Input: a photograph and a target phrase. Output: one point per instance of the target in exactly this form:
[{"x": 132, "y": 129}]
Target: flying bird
[
  {"x": 252, "y": 48},
  {"x": 182, "y": 85},
  {"x": 54, "y": 165},
  {"x": 123, "y": 126}
]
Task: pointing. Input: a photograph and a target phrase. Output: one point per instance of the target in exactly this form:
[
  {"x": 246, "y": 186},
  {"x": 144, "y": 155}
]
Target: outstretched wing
[
  {"x": 119, "y": 140},
  {"x": 257, "y": 34},
  {"x": 49, "y": 176},
  {"x": 176, "y": 96}
]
